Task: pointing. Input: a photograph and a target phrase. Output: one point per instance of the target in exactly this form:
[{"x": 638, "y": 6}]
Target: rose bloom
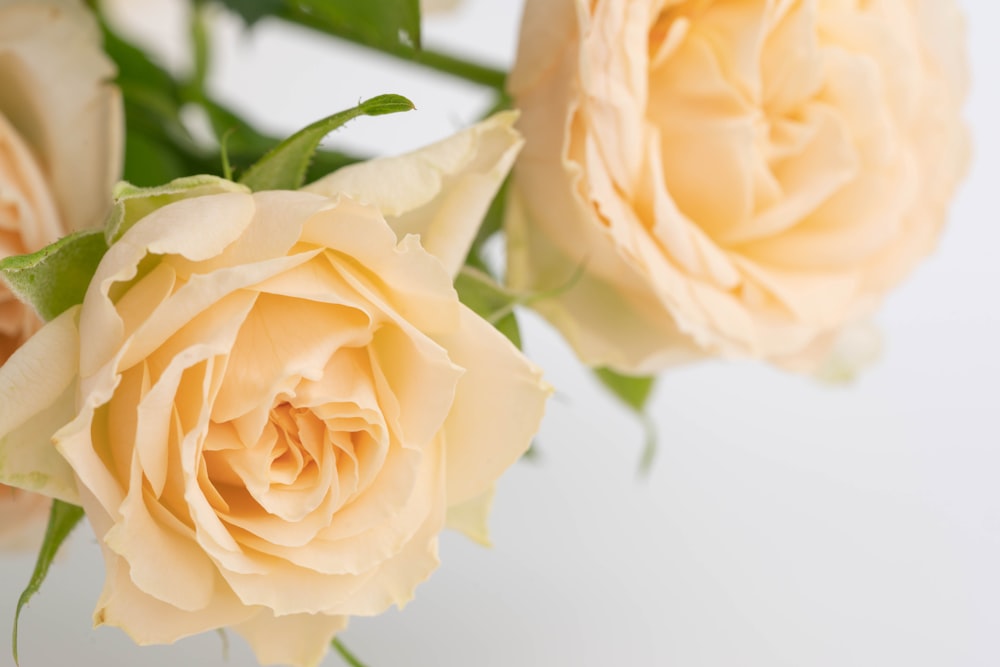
[
  {"x": 60, "y": 136},
  {"x": 732, "y": 178},
  {"x": 279, "y": 401},
  {"x": 60, "y": 154}
]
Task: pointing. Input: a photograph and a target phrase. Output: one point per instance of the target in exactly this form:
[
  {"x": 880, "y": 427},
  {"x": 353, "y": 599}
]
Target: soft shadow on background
[{"x": 785, "y": 523}]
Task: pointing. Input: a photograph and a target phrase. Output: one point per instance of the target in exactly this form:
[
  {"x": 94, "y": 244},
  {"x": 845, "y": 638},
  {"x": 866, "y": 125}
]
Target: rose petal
[
  {"x": 299, "y": 640},
  {"x": 498, "y": 407},
  {"x": 75, "y": 127},
  {"x": 471, "y": 517},
  {"x": 164, "y": 561},
  {"x": 27, "y": 210},
  {"x": 440, "y": 192},
  {"x": 623, "y": 325},
  {"x": 37, "y": 389}
]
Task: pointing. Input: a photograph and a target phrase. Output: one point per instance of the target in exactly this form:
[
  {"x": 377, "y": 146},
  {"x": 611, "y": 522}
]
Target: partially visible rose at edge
[
  {"x": 270, "y": 404},
  {"x": 735, "y": 179},
  {"x": 60, "y": 154},
  {"x": 61, "y": 130}
]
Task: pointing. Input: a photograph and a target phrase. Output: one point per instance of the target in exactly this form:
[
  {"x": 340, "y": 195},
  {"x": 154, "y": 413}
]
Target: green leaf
[
  {"x": 133, "y": 203},
  {"x": 284, "y": 167},
  {"x": 252, "y": 11},
  {"x": 152, "y": 97},
  {"x": 634, "y": 392},
  {"x": 460, "y": 67},
  {"x": 135, "y": 66},
  {"x": 489, "y": 300},
  {"x": 62, "y": 519},
  {"x": 158, "y": 146},
  {"x": 532, "y": 453},
  {"x": 57, "y": 276},
  {"x": 149, "y": 161},
  {"x": 245, "y": 145},
  {"x": 201, "y": 50},
  {"x": 348, "y": 657},
  {"x": 389, "y": 24}
]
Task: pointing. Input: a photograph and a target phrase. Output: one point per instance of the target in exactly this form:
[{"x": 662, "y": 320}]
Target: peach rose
[
  {"x": 279, "y": 403},
  {"x": 735, "y": 178},
  {"x": 60, "y": 135}
]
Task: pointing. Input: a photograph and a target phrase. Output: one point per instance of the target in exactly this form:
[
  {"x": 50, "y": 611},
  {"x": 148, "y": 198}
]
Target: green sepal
[
  {"x": 284, "y": 167},
  {"x": 57, "y": 276},
  {"x": 133, "y": 203},
  {"x": 489, "y": 300},
  {"x": 63, "y": 517},
  {"x": 634, "y": 391},
  {"x": 224, "y": 643}
]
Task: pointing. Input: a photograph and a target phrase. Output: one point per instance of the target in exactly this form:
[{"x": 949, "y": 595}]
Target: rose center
[
  {"x": 735, "y": 97},
  {"x": 299, "y": 444}
]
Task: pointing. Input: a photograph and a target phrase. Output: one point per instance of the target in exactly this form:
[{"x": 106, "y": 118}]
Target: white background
[{"x": 785, "y": 523}]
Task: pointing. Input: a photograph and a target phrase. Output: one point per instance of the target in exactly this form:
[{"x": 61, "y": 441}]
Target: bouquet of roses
[{"x": 270, "y": 374}]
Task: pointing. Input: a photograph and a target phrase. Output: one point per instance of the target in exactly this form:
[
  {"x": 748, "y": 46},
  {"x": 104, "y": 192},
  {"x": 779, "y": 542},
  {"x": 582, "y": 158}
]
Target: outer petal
[
  {"x": 176, "y": 229},
  {"x": 75, "y": 127},
  {"x": 546, "y": 29},
  {"x": 300, "y": 640},
  {"x": 440, "y": 192},
  {"x": 497, "y": 410},
  {"x": 606, "y": 324},
  {"x": 471, "y": 517},
  {"x": 29, "y": 197},
  {"x": 148, "y": 620},
  {"x": 37, "y": 387}
]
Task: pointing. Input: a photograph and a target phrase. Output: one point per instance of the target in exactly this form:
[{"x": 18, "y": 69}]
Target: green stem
[
  {"x": 200, "y": 49},
  {"x": 436, "y": 60},
  {"x": 345, "y": 654}
]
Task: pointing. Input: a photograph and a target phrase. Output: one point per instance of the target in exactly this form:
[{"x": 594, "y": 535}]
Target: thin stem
[
  {"x": 649, "y": 447},
  {"x": 346, "y": 654},
  {"x": 200, "y": 49},
  {"x": 436, "y": 60}
]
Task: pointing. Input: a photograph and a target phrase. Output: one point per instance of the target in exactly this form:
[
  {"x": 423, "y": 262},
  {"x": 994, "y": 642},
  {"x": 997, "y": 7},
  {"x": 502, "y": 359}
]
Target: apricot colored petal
[
  {"x": 75, "y": 127},
  {"x": 299, "y": 640},
  {"x": 497, "y": 410},
  {"x": 440, "y": 192},
  {"x": 37, "y": 387}
]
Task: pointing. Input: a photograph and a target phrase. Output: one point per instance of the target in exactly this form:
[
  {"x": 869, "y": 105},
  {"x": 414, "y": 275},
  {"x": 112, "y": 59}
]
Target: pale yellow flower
[
  {"x": 735, "y": 178},
  {"x": 278, "y": 401},
  {"x": 60, "y": 135}
]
